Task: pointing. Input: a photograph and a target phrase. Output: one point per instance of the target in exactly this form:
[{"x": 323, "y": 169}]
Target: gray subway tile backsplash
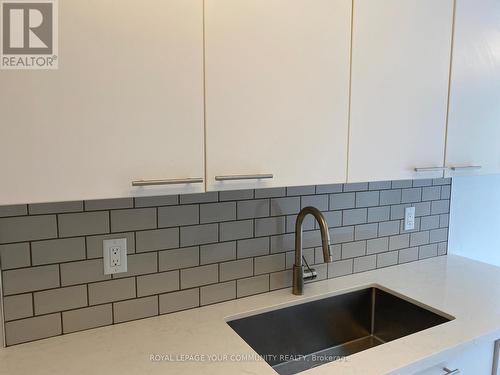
[
  {"x": 55, "y": 208},
  {"x": 366, "y": 263},
  {"x": 164, "y": 200},
  {"x": 217, "y": 252},
  {"x": 342, "y": 201},
  {"x": 82, "y": 224},
  {"x": 379, "y": 185},
  {"x": 431, "y": 193},
  {"x": 109, "y": 204},
  {"x": 388, "y": 228},
  {"x": 422, "y": 182},
  {"x": 340, "y": 268},
  {"x": 398, "y": 242},
  {"x": 252, "y": 285},
  {"x": 367, "y": 198},
  {"x": 377, "y": 245},
  {"x": 358, "y": 186},
  {"x": 412, "y": 195},
  {"x": 217, "y": 212},
  {"x": 175, "y": 216},
  {"x": 428, "y": 251},
  {"x": 199, "y": 234},
  {"x": 378, "y": 214},
  {"x": 321, "y": 202},
  {"x": 429, "y": 222},
  {"x": 270, "y": 193},
  {"x": 446, "y": 192},
  {"x": 178, "y": 258},
  {"x": 86, "y": 318},
  {"x": 285, "y": 206},
  {"x": 83, "y": 272},
  {"x": 18, "y": 307},
  {"x": 135, "y": 309},
  {"x": 355, "y": 216},
  {"x": 300, "y": 190},
  {"x": 408, "y": 255},
  {"x": 440, "y": 207},
  {"x": 112, "y": 290},
  {"x": 236, "y": 195},
  {"x": 57, "y": 251},
  {"x": 387, "y": 259},
  {"x": 237, "y": 269},
  {"x": 419, "y": 238},
  {"x": 329, "y": 189},
  {"x": 197, "y": 276},
  {"x": 30, "y": 279},
  {"x": 38, "y": 327},
  {"x": 270, "y": 263},
  {"x": 252, "y": 247},
  {"x": 388, "y": 197},
  {"x": 157, "y": 283},
  {"x": 27, "y": 228},
  {"x": 157, "y": 239},
  {"x": 253, "y": 208},
  {"x": 54, "y": 300},
  {"x": 15, "y": 255},
  {"x": 133, "y": 219},
  {"x": 280, "y": 280},
  {"x": 192, "y": 250},
  {"x": 365, "y": 231},
  {"x": 13, "y": 210},
  {"x": 342, "y": 234},
  {"x": 353, "y": 249},
  {"x": 270, "y": 225},
  {"x": 217, "y": 293},
  {"x": 236, "y": 230},
  {"x": 402, "y": 184},
  {"x": 199, "y": 198},
  {"x": 177, "y": 301}
]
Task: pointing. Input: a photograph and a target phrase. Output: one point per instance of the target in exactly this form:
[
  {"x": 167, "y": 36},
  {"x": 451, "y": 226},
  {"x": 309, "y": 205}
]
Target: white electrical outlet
[
  {"x": 115, "y": 255},
  {"x": 410, "y": 218}
]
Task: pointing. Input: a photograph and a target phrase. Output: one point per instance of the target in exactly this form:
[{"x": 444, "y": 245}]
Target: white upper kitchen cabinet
[
  {"x": 474, "y": 119},
  {"x": 400, "y": 74},
  {"x": 125, "y": 104},
  {"x": 277, "y": 91}
]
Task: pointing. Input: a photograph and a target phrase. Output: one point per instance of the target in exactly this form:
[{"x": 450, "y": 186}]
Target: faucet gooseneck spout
[{"x": 299, "y": 275}]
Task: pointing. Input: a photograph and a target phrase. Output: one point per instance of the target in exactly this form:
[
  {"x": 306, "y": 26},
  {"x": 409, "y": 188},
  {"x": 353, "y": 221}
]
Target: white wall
[{"x": 475, "y": 218}]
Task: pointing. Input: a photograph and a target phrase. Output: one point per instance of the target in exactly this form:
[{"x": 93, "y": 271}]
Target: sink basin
[{"x": 297, "y": 338}]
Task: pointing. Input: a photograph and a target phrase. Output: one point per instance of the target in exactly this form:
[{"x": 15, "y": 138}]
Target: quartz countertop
[{"x": 197, "y": 341}]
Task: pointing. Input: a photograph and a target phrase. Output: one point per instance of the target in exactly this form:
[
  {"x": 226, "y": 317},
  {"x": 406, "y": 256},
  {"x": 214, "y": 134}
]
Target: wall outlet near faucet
[
  {"x": 115, "y": 256},
  {"x": 410, "y": 218}
]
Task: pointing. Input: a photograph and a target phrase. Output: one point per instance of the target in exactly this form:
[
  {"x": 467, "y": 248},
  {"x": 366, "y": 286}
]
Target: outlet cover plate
[
  {"x": 114, "y": 252},
  {"x": 410, "y": 218}
]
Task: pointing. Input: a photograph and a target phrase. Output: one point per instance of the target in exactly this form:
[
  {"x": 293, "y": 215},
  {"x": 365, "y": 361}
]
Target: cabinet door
[
  {"x": 277, "y": 90},
  {"x": 476, "y": 359},
  {"x": 126, "y": 103},
  {"x": 474, "y": 121},
  {"x": 400, "y": 73}
]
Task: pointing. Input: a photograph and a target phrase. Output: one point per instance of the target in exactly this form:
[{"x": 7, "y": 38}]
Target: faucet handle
[{"x": 310, "y": 274}]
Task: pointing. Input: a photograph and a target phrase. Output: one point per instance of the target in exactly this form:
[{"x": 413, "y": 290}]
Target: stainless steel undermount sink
[{"x": 297, "y": 338}]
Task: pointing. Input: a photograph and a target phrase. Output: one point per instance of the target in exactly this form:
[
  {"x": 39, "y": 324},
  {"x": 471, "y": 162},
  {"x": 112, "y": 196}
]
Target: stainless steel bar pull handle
[
  {"x": 430, "y": 169},
  {"x": 175, "y": 181},
  {"x": 264, "y": 176},
  {"x": 451, "y": 372},
  {"x": 466, "y": 167}
]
